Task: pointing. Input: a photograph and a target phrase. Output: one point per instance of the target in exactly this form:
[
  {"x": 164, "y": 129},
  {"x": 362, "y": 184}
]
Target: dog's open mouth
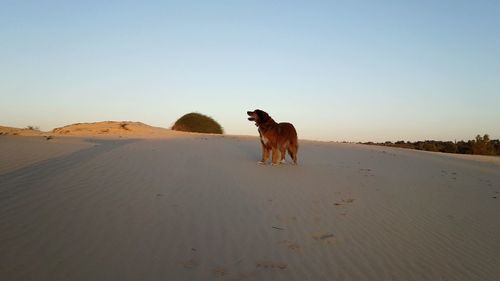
[
  {"x": 253, "y": 119},
  {"x": 252, "y": 116}
]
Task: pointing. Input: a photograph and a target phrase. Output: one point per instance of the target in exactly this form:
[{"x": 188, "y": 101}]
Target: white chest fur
[{"x": 263, "y": 138}]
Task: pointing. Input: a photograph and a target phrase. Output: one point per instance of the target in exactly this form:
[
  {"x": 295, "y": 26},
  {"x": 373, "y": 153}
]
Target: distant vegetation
[
  {"x": 124, "y": 126},
  {"x": 482, "y": 145},
  {"x": 199, "y": 123},
  {"x": 33, "y": 128}
]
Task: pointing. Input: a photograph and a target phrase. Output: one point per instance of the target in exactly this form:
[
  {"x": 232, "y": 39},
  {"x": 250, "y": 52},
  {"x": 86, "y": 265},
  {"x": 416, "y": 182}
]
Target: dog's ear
[{"x": 263, "y": 116}]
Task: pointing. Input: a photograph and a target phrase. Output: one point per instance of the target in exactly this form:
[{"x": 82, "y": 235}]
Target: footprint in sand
[
  {"x": 366, "y": 172},
  {"x": 325, "y": 237},
  {"x": 342, "y": 204},
  {"x": 286, "y": 220},
  {"x": 189, "y": 264},
  {"x": 290, "y": 245},
  {"x": 344, "y": 201},
  {"x": 271, "y": 265},
  {"x": 220, "y": 272},
  {"x": 451, "y": 175},
  {"x": 224, "y": 274},
  {"x": 239, "y": 276}
]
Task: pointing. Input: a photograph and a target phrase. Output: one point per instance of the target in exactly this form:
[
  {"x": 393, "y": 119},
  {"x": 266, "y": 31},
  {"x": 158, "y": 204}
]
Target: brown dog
[{"x": 275, "y": 137}]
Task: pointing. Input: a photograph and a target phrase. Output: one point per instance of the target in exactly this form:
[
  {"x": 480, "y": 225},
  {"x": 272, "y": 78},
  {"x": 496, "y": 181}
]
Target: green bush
[{"x": 198, "y": 123}]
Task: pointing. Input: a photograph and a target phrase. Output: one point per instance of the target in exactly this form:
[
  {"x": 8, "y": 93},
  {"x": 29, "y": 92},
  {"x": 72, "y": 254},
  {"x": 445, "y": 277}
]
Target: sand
[
  {"x": 199, "y": 207},
  {"x": 11, "y": 131},
  {"x": 21, "y": 152},
  {"x": 112, "y": 129},
  {"x": 121, "y": 129}
]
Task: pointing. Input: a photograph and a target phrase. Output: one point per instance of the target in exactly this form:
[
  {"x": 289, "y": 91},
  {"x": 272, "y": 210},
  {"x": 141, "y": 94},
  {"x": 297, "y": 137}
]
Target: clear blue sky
[{"x": 338, "y": 70}]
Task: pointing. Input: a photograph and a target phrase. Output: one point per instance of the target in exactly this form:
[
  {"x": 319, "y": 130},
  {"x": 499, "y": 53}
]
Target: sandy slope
[
  {"x": 201, "y": 208},
  {"x": 11, "y": 131},
  {"x": 122, "y": 129},
  {"x": 114, "y": 128},
  {"x": 20, "y": 152}
]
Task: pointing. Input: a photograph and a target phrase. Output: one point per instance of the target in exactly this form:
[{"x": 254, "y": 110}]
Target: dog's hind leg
[
  {"x": 283, "y": 153},
  {"x": 292, "y": 150}
]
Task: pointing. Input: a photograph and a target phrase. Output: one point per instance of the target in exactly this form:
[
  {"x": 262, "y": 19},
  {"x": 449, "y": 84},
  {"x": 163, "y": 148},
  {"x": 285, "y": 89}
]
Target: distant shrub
[
  {"x": 483, "y": 145},
  {"x": 199, "y": 123},
  {"x": 124, "y": 126},
  {"x": 430, "y": 146},
  {"x": 449, "y": 147},
  {"x": 33, "y": 128}
]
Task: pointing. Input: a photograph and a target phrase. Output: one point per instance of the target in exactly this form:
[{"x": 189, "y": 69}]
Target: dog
[{"x": 275, "y": 137}]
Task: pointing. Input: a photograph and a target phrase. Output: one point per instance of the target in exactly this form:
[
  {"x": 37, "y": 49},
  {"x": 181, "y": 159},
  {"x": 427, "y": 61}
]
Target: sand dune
[
  {"x": 20, "y": 152},
  {"x": 199, "y": 207},
  {"x": 11, "y": 131},
  {"x": 114, "y": 128},
  {"x": 125, "y": 129}
]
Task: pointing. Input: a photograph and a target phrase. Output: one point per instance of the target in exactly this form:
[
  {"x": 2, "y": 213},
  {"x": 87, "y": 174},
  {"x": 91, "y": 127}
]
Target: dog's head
[{"x": 258, "y": 116}]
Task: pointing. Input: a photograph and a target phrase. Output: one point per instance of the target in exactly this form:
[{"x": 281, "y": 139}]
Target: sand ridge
[
  {"x": 11, "y": 131},
  {"x": 114, "y": 128},
  {"x": 124, "y": 129}
]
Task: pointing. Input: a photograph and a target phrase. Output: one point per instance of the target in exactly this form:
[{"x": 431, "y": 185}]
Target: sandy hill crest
[
  {"x": 11, "y": 131},
  {"x": 111, "y": 128},
  {"x": 105, "y": 128}
]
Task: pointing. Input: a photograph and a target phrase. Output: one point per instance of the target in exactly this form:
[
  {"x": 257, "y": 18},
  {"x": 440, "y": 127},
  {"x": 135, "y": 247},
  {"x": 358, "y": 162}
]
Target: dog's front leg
[
  {"x": 276, "y": 156},
  {"x": 265, "y": 154}
]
